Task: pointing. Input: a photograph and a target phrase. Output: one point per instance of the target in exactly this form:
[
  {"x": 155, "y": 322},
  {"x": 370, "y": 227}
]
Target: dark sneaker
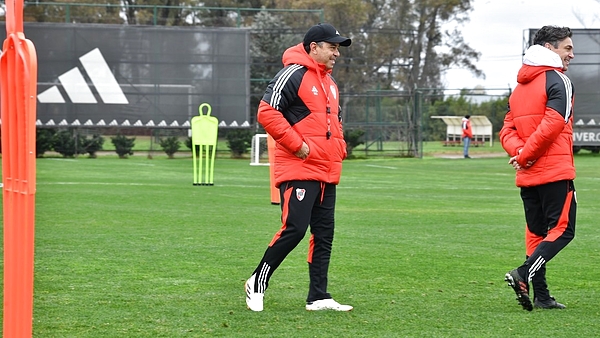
[
  {"x": 551, "y": 303},
  {"x": 521, "y": 288}
]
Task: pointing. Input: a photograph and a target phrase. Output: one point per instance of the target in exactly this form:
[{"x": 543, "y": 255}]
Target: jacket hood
[
  {"x": 297, "y": 55},
  {"x": 537, "y": 60}
]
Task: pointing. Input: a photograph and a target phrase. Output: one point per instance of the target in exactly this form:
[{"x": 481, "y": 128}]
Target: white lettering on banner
[{"x": 586, "y": 137}]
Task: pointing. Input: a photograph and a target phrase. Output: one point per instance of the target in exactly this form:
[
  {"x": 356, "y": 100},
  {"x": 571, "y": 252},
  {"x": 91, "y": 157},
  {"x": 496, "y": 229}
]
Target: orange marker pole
[
  {"x": 271, "y": 151},
  {"x": 18, "y": 75}
]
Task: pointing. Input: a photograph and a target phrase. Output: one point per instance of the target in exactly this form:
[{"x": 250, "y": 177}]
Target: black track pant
[
  {"x": 303, "y": 203},
  {"x": 550, "y": 211}
]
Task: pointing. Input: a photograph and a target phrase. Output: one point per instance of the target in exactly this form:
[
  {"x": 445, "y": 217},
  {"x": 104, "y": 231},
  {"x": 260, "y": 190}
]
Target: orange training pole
[{"x": 18, "y": 72}]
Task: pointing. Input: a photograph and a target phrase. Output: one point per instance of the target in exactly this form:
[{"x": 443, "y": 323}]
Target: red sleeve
[
  {"x": 509, "y": 138},
  {"x": 278, "y": 127}
]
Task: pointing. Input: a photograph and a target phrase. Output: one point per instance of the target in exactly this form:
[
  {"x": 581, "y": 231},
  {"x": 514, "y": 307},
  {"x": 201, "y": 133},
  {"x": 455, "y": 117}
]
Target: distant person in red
[
  {"x": 538, "y": 136},
  {"x": 300, "y": 110},
  {"x": 467, "y": 134}
]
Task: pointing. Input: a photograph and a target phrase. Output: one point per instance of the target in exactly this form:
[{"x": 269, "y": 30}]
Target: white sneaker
[
  {"x": 254, "y": 300},
  {"x": 327, "y": 304}
]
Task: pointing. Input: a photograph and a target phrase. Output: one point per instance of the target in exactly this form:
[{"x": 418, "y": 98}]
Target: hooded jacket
[
  {"x": 301, "y": 104},
  {"x": 539, "y": 124}
]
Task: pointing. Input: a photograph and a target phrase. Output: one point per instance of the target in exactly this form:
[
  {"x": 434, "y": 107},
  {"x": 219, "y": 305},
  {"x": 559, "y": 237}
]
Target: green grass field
[
  {"x": 145, "y": 145},
  {"x": 130, "y": 248}
]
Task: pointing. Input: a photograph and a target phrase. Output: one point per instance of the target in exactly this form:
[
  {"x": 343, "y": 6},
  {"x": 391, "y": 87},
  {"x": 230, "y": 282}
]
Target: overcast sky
[{"x": 495, "y": 29}]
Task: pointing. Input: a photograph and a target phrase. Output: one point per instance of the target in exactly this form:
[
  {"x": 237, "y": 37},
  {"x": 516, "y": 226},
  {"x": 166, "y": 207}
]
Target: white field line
[{"x": 380, "y": 166}]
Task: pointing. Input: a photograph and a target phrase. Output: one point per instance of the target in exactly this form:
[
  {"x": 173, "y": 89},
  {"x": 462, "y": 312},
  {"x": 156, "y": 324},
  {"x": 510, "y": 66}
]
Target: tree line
[{"x": 397, "y": 45}]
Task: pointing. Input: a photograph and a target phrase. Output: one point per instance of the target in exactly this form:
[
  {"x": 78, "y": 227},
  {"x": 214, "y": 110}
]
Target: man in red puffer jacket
[
  {"x": 467, "y": 134},
  {"x": 538, "y": 135},
  {"x": 300, "y": 110}
]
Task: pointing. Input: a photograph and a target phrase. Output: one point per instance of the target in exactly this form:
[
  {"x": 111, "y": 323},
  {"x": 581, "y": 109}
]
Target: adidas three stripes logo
[{"x": 77, "y": 88}]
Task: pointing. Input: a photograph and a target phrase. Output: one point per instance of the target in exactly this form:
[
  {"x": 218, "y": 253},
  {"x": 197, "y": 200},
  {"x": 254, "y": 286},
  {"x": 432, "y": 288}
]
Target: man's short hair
[{"x": 552, "y": 35}]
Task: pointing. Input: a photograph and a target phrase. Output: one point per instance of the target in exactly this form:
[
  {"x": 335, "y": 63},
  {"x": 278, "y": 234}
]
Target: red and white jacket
[
  {"x": 301, "y": 104},
  {"x": 466, "y": 128},
  {"x": 539, "y": 124}
]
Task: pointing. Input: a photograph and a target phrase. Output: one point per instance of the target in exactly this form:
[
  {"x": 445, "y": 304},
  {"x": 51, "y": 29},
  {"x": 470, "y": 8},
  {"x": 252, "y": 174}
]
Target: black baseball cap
[{"x": 325, "y": 32}]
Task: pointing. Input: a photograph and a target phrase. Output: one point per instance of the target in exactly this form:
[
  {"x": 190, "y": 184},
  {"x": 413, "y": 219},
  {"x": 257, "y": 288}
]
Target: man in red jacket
[
  {"x": 538, "y": 135},
  {"x": 300, "y": 110},
  {"x": 467, "y": 134}
]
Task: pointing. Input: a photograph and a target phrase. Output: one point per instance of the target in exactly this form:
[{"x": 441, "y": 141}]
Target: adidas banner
[{"x": 139, "y": 75}]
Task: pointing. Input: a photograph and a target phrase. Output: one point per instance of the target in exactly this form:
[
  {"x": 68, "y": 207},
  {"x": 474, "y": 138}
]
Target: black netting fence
[{"x": 99, "y": 75}]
